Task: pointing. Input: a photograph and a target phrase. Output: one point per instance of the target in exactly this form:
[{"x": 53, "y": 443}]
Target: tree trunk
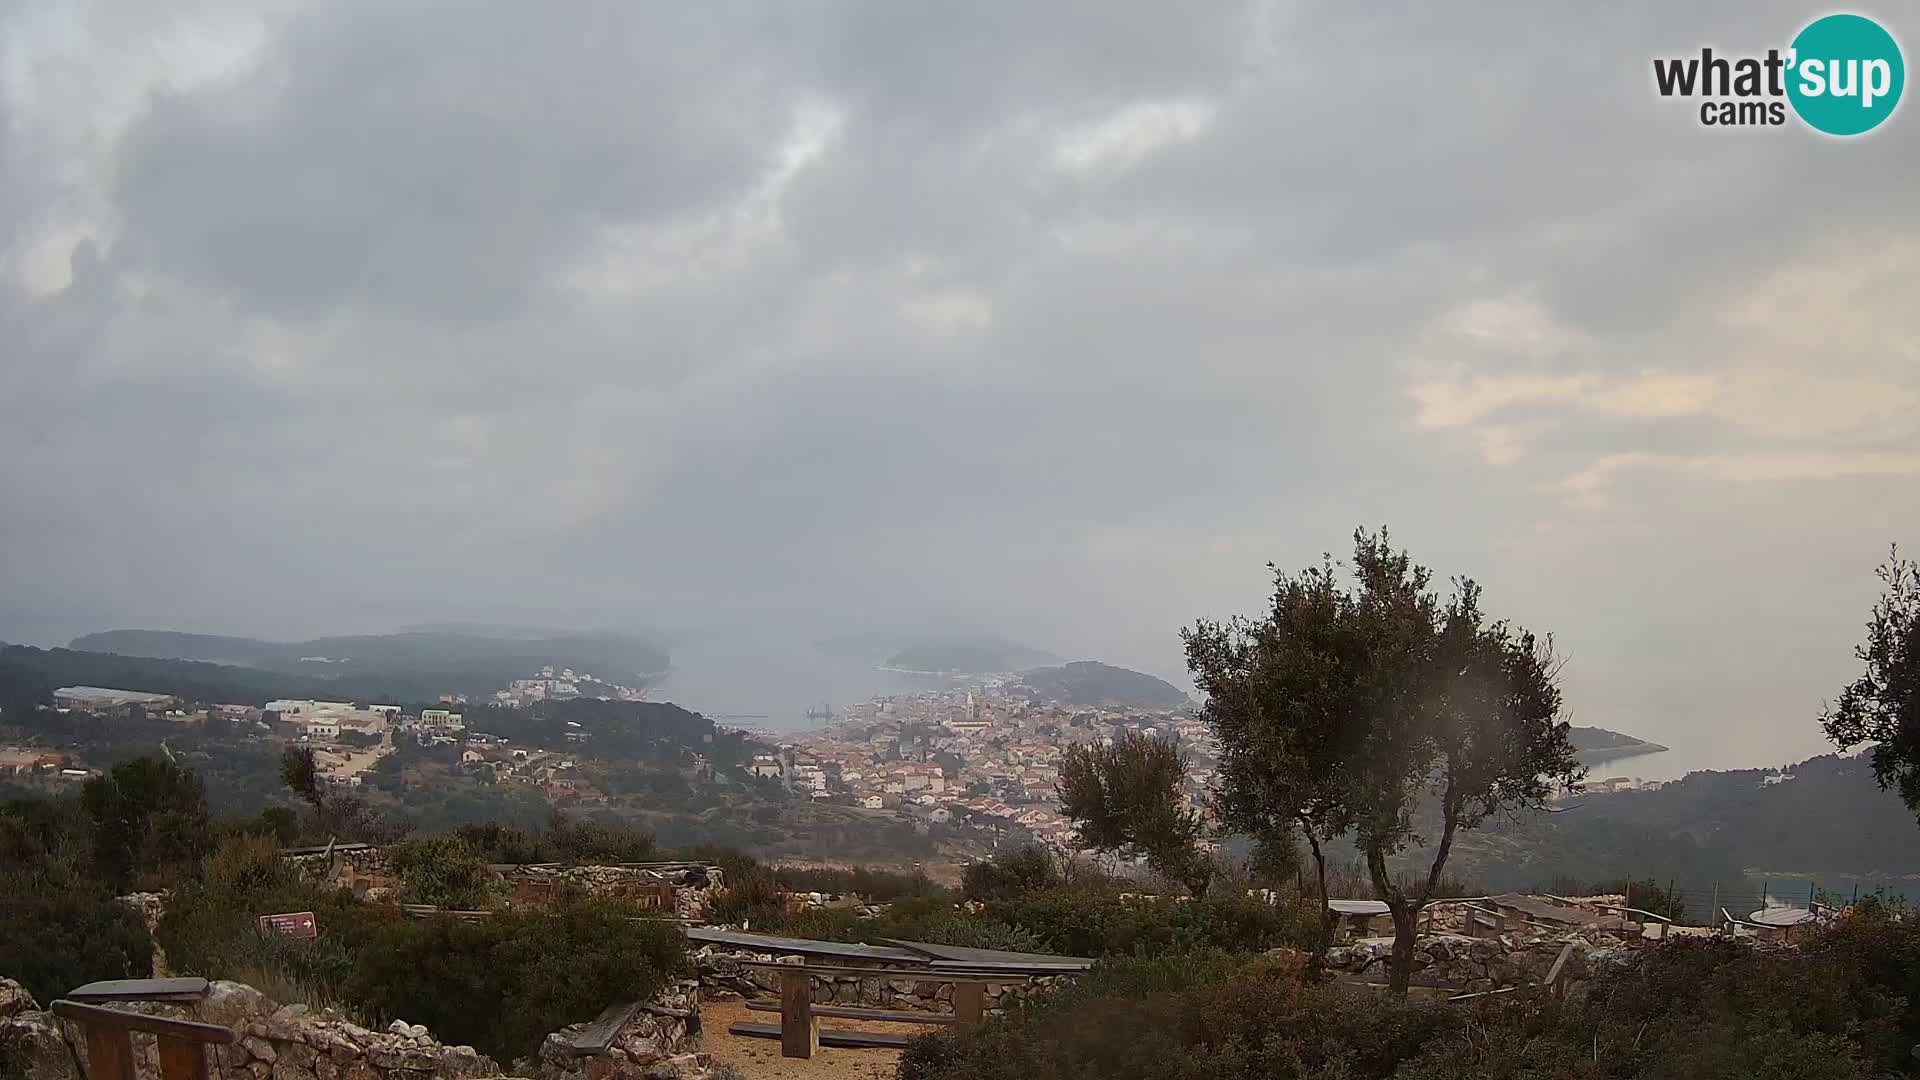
[
  {"x": 1324, "y": 940},
  {"x": 1404, "y": 912},
  {"x": 1400, "y": 971}
]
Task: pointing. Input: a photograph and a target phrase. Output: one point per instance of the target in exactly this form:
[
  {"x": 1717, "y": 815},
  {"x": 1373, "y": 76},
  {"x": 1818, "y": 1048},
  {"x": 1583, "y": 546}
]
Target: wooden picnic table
[{"x": 799, "y": 1030}]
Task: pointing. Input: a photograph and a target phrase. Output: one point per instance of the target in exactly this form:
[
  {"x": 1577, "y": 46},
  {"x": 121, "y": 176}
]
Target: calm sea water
[
  {"x": 1698, "y": 747},
  {"x": 771, "y": 683}
]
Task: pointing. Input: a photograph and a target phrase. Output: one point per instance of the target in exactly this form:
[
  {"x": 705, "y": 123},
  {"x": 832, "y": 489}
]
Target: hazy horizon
[{"x": 1057, "y": 323}]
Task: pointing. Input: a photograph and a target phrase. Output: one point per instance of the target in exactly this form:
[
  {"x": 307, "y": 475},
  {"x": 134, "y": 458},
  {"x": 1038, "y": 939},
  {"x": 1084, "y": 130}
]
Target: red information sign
[{"x": 297, "y": 924}]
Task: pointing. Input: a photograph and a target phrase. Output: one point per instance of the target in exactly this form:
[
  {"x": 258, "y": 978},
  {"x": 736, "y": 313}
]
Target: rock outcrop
[{"x": 31, "y": 1043}]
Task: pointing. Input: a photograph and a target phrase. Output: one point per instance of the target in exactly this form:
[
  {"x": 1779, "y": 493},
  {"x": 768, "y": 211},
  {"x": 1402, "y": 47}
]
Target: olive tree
[
  {"x": 1125, "y": 797},
  {"x": 1882, "y": 706},
  {"x": 1366, "y": 702}
]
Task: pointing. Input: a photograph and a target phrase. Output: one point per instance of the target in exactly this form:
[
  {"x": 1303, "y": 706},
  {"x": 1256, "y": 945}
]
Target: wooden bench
[
  {"x": 109, "y": 1035},
  {"x": 596, "y": 1039},
  {"x": 799, "y": 1031}
]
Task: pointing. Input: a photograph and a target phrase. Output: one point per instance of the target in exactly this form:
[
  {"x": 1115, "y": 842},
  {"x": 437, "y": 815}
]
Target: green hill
[
  {"x": 967, "y": 656},
  {"x": 452, "y": 662},
  {"x": 1595, "y": 745},
  {"x": 1089, "y": 682}
]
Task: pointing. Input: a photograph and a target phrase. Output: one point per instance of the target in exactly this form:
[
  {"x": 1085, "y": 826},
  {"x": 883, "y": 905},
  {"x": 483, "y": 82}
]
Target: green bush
[
  {"x": 150, "y": 822},
  {"x": 61, "y": 928},
  {"x": 441, "y": 870},
  {"x": 874, "y": 884},
  {"x": 1692, "y": 1009},
  {"x": 1010, "y": 874},
  {"x": 1084, "y": 923},
  {"x": 579, "y": 840},
  {"x": 211, "y": 926},
  {"x": 501, "y": 984}
]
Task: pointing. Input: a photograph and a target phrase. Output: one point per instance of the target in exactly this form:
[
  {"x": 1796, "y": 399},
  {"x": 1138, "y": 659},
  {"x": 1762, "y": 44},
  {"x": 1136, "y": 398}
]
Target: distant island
[
  {"x": 1091, "y": 683},
  {"x": 465, "y": 662},
  {"x": 966, "y": 656},
  {"x": 1593, "y": 745}
]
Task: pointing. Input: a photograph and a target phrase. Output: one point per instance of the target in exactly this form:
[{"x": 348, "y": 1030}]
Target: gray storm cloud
[{"x": 1058, "y": 321}]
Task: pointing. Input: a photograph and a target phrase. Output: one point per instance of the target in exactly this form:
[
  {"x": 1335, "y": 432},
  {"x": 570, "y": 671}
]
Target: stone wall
[
  {"x": 724, "y": 976},
  {"x": 692, "y": 884},
  {"x": 1476, "y": 965},
  {"x": 369, "y": 868},
  {"x": 360, "y": 868},
  {"x": 294, "y": 1042}
]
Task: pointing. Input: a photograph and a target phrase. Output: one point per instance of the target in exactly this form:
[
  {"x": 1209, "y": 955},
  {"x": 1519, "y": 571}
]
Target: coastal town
[
  {"x": 986, "y": 755},
  {"x": 975, "y": 756}
]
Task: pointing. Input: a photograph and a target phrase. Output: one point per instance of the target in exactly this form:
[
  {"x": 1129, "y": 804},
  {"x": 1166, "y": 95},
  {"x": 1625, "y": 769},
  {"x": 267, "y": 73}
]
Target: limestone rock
[
  {"x": 14, "y": 999},
  {"x": 232, "y": 1004},
  {"x": 30, "y": 1042}
]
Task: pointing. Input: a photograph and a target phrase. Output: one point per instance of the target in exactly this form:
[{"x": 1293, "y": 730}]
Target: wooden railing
[{"x": 109, "y": 1036}]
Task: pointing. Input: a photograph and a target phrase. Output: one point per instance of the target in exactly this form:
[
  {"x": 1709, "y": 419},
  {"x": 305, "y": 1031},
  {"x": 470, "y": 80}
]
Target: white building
[{"x": 323, "y": 729}]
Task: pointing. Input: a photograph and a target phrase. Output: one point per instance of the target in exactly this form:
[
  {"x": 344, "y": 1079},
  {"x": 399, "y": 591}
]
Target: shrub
[
  {"x": 440, "y": 869},
  {"x": 211, "y": 925},
  {"x": 149, "y": 821},
  {"x": 1010, "y": 874},
  {"x": 1081, "y": 923},
  {"x": 501, "y": 984},
  {"x": 1692, "y": 1009},
  {"x": 583, "y": 841},
  {"x": 872, "y": 883},
  {"x": 751, "y": 894},
  {"x": 61, "y": 928}
]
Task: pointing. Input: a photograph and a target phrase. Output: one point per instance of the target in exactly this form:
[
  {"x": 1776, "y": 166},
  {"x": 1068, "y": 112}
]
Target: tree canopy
[
  {"x": 1882, "y": 706},
  {"x": 1364, "y": 694},
  {"x": 1125, "y": 797}
]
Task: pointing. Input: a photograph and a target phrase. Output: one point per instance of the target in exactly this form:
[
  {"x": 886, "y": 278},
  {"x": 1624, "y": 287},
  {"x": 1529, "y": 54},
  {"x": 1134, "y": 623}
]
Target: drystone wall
[
  {"x": 1481, "y": 964},
  {"x": 293, "y": 1042}
]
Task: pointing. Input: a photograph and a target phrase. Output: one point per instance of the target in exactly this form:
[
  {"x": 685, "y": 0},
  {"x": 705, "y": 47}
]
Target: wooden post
[
  {"x": 1670, "y": 901},
  {"x": 182, "y": 1059},
  {"x": 109, "y": 1053},
  {"x": 799, "y": 1028},
  {"x": 1715, "y": 909},
  {"x": 969, "y": 1003}
]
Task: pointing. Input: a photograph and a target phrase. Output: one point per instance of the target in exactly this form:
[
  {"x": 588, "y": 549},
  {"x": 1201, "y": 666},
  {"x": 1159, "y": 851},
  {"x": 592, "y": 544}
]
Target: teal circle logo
[{"x": 1845, "y": 74}]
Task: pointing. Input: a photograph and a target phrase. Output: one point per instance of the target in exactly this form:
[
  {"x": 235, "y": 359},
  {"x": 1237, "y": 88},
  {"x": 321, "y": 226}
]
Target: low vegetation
[{"x": 1837, "y": 1008}]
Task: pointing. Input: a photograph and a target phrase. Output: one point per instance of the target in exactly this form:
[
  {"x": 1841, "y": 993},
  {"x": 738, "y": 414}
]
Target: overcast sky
[{"x": 1057, "y": 320}]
